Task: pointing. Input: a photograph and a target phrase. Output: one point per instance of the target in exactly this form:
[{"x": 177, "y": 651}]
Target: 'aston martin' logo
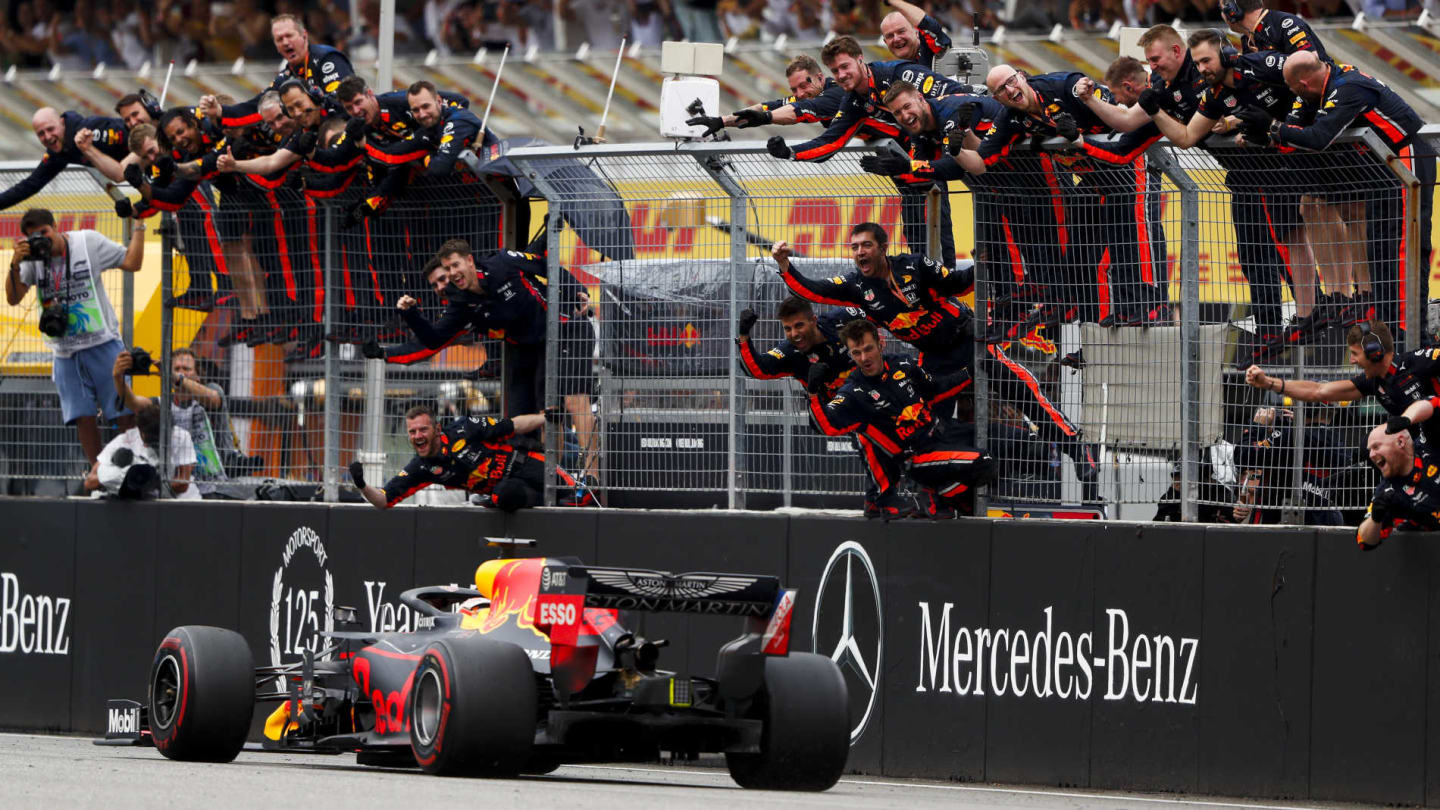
[{"x": 680, "y": 586}]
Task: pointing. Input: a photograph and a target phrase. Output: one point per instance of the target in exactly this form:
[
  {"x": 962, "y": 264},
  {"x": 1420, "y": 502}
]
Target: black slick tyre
[
  {"x": 807, "y": 727},
  {"x": 202, "y": 694},
  {"x": 472, "y": 708}
]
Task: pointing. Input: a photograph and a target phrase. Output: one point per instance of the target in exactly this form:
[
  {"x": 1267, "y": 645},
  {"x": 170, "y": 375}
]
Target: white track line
[{"x": 976, "y": 789}]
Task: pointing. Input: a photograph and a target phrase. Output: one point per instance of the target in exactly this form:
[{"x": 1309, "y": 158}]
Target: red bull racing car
[{"x": 528, "y": 670}]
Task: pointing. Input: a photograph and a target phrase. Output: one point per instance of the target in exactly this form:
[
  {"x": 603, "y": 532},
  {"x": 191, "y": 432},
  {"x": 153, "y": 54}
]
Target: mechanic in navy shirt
[
  {"x": 1263, "y": 29},
  {"x": 889, "y": 400},
  {"x": 1408, "y": 495},
  {"x": 813, "y": 99},
  {"x": 319, "y": 66},
  {"x": 496, "y": 296},
  {"x": 56, "y": 132},
  {"x": 913, "y": 35},
  {"x": 1332, "y": 99},
  {"x": 497, "y": 459},
  {"x": 862, "y": 114},
  {"x": 1407, "y": 386}
]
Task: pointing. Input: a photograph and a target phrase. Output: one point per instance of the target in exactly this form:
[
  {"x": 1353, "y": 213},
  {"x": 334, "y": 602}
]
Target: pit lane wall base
[{"x": 1275, "y": 663}]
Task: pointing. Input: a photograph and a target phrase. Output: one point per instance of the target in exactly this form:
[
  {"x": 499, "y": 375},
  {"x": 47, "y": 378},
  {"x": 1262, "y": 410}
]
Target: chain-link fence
[{"x": 39, "y": 453}]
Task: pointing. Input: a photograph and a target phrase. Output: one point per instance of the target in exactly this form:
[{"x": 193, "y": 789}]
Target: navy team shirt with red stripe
[
  {"x": 891, "y": 409},
  {"x": 862, "y": 115},
  {"x": 1283, "y": 32},
  {"x": 475, "y": 454},
  {"x": 509, "y": 302},
  {"x": 1350, "y": 98},
  {"x": 784, "y": 360},
  {"x": 1410, "y": 378}
]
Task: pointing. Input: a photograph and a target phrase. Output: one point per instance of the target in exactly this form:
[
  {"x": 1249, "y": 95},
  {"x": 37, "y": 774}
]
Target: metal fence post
[
  {"x": 555, "y": 441},
  {"x": 127, "y": 293},
  {"x": 736, "y": 480},
  {"x": 330, "y": 475},
  {"x": 1161, "y": 158},
  {"x": 167, "y": 331},
  {"x": 934, "y": 200}
]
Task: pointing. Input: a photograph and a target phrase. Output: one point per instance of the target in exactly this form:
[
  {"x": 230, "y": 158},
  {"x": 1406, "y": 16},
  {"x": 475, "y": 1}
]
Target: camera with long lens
[
  {"x": 55, "y": 319},
  {"x": 140, "y": 361}
]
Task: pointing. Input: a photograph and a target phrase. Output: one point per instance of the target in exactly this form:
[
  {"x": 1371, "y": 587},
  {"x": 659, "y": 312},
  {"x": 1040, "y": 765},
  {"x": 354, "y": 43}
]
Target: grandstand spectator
[
  {"x": 1331, "y": 99},
  {"x": 191, "y": 403},
  {"x": 244, "y": 29},
  {"x": 861, "y": 114},
  {"x": 1404, "y": 384},
  {"x": 26, "y": 43},
  {"x": 1407, "y": 491},
  {"x": 89, "y": 338},
  {"x": 698, "y": 19},
  {"x": 1266, "y": 460},
  {"x": 497, "y": 460},
  {"x": 891, "y": 401},
  {"x": 813, "y": 99},
  {"x": 56, "y": 132},
  {"x": 596, "y": 22},
  {"x": 133, "y": 36}
]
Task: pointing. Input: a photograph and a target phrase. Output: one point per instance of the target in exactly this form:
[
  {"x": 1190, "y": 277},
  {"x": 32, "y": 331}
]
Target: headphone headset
[
  {"x": 1228, "y": 54},
  {"x": 151, "y": 105},
  {"x": 1230, "y": 10},
  {"x": 316, "y": 95},
  {"x": 1370, "y": 343}
]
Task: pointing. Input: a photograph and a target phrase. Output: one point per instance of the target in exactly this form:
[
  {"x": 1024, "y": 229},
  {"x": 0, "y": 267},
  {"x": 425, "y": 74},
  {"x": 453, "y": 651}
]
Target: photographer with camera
[
  {"x": 128, "y": 467},
  {"x": 195, "y": 406},
  {"x": 77, "y": 320}
]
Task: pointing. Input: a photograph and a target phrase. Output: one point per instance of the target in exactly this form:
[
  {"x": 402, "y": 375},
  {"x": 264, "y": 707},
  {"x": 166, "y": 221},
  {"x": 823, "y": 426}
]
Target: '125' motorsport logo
[{"x": 297, "y": 614}]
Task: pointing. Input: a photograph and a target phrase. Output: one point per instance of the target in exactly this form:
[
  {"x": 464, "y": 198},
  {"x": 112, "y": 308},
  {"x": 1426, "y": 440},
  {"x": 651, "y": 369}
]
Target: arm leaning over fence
[
  {"x": 1306, "y": 390},
  {"x": 835, "y": 291}
]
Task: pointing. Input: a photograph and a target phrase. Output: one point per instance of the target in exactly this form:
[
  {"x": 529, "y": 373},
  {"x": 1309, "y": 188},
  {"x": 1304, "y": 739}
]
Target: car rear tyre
[
  {"x": 807, "y": 728},
  {"x": 202, "y": 694},
  {"x": 472, "y": 708}
]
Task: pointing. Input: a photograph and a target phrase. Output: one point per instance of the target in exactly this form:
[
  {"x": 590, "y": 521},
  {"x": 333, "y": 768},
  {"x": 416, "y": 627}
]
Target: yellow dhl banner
[{"x": 678, "y": 220}]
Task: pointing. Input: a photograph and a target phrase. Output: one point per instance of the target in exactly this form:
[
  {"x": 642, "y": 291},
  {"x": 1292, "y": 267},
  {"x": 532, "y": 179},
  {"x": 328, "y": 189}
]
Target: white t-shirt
[
  {"x": 75, "y": 278},
  {"x": 182, "y": 453}
]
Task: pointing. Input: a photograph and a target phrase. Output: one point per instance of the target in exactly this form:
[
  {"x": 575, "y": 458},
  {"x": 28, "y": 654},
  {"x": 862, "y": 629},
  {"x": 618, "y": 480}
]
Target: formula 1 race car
[{"x": 528, "y": 670}]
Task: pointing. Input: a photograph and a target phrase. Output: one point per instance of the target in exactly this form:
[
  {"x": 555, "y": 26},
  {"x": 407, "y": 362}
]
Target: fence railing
[{"x": 1118, "y": 308}]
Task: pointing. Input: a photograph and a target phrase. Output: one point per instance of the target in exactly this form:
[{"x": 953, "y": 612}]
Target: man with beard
[
  {"x": 1408, "y": 495},
  {"x": 913, "y": 296},
  {"x": 496, "y": 459},
  {"x": 495, "y": 294},
  {"x": 813, "y": 354},
  {"x": 1330, "y": 100},
  {"x": 913, "y": 35},
  {"x": 862, "y": 114},
  {"x": 889, "y": 400}
]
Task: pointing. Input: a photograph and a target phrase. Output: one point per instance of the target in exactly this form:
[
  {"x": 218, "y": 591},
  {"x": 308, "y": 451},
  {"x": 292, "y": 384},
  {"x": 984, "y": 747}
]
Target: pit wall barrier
[{"x": 1277, "y": 663}]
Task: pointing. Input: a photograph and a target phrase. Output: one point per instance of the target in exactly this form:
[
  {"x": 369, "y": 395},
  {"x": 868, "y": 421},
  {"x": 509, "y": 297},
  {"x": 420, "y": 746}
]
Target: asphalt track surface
[{"x": 51, "y": 772}]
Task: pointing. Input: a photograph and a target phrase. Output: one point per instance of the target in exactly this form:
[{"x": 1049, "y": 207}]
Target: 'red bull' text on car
[{"x": 528, "y": 670}]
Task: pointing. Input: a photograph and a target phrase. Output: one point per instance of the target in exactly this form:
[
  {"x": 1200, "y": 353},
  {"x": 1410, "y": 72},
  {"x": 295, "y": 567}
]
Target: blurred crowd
[{"x": 79, "y": 34}]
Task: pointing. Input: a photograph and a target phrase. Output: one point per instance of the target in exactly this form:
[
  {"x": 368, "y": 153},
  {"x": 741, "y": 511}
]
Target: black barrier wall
[{"x": 1279, "y": 663}]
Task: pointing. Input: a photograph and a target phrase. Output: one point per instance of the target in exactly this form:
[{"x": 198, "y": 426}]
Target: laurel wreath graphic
[{"x": 275, "y": 594}]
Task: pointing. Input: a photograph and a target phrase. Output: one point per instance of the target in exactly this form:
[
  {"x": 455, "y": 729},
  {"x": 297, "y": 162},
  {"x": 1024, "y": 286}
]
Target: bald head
[
  {"x": 49, "y": 128},
  {"x": 900, "y": 36},
  {"x": 1306, "y": 75},
  {"x": 1391, "y": 453},
  {"x": 1007, "y": 86}
]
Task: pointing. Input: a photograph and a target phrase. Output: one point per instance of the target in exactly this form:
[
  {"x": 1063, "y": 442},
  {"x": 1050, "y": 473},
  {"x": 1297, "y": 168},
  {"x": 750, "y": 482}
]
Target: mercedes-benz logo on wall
[{"x": 848, "y": 626}]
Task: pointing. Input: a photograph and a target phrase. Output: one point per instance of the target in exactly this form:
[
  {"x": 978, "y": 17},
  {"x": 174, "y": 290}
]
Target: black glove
[
  {"x": 124, "y": 209},
  {"x": 355, "y": 129},
  {"x": 776, "y": 146},
  {"x": 962, "y": 122},
  {"x": 372, "y": 350},
  {"x": 747, "y": 321},
  {"x": 1380, "y": 512},
  {"x": 304, "y": 142},
  {"x": 165, "y": 166},
  {"x": 1255, "y": 125},
  {"x": 135, "y": 176},
  {"x": 1396, "y": 424},
  {"x": 357, "y": 474},
  {"x": 744, "y": 119},
  {"x": 889, "y": 164},
  {"x": 817, "y": 378},
  {"x": 553, "y": 416},
  {"x": 1149, "y": 101},
  {"x": 1065, "y": 126},
  {"x": 358, "y": 213},
  {"x": 711, "y": 123}
]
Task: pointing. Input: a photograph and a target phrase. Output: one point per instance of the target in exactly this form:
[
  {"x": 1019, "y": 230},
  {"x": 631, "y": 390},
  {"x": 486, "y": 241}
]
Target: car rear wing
[{"x": 568, "y": 590}]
